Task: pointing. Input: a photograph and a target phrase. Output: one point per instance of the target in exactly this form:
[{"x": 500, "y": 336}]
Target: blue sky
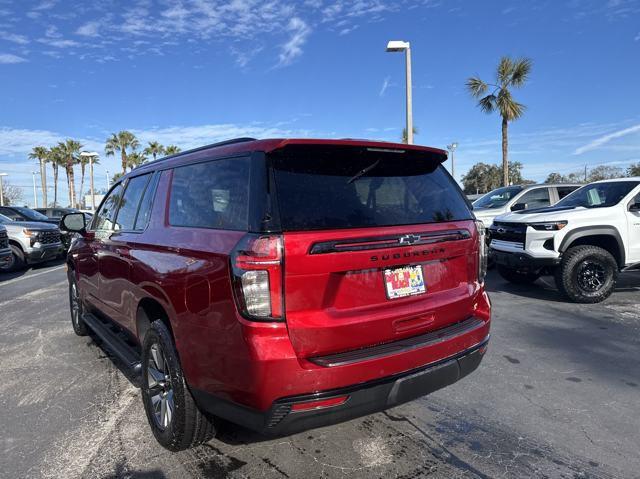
[{"x": 193, "y": 72}]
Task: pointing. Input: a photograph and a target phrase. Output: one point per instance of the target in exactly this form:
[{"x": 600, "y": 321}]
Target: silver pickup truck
[{"x": 29, "y": 243}]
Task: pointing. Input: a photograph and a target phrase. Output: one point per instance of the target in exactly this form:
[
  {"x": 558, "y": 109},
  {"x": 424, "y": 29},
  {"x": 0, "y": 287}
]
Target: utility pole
[
  {"x": 400, "y": 46},
  {"x": 585, "y": 173},
  {"x": 2, "y": 188}
]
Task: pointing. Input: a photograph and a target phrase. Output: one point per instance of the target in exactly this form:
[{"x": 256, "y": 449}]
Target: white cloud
[
  {"x": 58, "y": 42},
  {"x": 89, "y": 29},
  {"x": 293, "y": 47},
  {"x": 385, "y": 85},
  {"x": 9, "y": 58},
  {"x": 14, "y": 37},
  {"x": 598, "y": 142}
]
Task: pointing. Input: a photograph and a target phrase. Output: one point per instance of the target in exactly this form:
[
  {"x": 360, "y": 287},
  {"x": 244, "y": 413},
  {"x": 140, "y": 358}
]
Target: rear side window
[
  {"x": 144, "y": 212},
  {"x": 352, "y": 188},
  {"x": 536, "y": 198},
  {"x": 565, "y": 190},
  {"x": 105, "y": 217},
  {"x": 130, "y": 202},
  {"x": 213, "y": 194}
]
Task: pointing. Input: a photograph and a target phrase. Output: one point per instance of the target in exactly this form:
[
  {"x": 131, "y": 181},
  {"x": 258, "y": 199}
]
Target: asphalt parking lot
[{"x": 558, "y": 395}]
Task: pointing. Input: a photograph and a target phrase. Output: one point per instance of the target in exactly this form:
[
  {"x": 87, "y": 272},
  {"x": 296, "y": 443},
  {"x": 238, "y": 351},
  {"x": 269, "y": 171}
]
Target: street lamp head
[
  {"x": 89, "y": 154},
  {"x": 397, "y": 46},
  {"x": 4, "y": 174},
  {"x": 452, "y": 146}
]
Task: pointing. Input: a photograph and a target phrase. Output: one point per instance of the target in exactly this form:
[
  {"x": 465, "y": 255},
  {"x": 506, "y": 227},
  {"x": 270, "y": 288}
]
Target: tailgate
[{"x": 336, "y": 296}]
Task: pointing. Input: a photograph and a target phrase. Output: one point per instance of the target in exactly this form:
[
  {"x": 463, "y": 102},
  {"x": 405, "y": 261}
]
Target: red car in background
[{"x": 283, "y": 284}]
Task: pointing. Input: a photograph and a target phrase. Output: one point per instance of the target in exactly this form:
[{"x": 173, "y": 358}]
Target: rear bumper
[
  {"x": 361, "y": 399},
  {"x": 521, "y": 260}
]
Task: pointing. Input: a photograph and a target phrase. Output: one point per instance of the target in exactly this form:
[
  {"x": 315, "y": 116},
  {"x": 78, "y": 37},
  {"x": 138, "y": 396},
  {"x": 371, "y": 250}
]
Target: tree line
[
  {"x": 483, "y": 177},
  {"x": 66, "y": 155}
]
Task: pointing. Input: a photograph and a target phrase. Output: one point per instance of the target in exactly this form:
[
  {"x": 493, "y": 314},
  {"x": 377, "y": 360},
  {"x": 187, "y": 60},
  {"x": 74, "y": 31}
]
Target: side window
[
  {"x": 211, "y": 195},
  {"x": 565, "y": 190},
  {"x": 144, "y": 212},
  {"x": 536, "y": 198},
  {"x": 106, "y": 214},
  {"x": 130, "y": 202}
]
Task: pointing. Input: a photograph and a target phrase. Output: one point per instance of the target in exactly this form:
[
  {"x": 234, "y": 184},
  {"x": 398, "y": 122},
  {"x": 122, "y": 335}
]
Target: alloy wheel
[
  {"x": 75, "y": 305},
  {"x": 159, "y": 387},
  {"x": 591, "y": 276}
]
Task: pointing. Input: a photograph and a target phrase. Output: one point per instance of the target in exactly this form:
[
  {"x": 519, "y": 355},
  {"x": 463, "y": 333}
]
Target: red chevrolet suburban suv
[{"x": 282, "y": 284}]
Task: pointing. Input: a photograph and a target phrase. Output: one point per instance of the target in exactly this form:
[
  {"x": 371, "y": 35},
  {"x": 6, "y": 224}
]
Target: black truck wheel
[
  {"x": 587, "y": 274},
  {"x": 173, "y": 415}
]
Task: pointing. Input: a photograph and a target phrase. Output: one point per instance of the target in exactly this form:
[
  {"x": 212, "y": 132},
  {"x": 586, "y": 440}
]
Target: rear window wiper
[{"x": 363, "y": 172}]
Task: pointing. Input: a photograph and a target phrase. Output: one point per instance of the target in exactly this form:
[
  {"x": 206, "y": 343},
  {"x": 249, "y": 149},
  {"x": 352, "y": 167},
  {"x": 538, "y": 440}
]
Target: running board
[
  {"x": 631, "y": 267},
  {"x": 116, "y": 341}
]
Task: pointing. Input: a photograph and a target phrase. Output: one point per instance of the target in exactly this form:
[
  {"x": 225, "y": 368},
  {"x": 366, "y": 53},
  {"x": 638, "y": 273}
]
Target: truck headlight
[{"x": 549, "y": 226}]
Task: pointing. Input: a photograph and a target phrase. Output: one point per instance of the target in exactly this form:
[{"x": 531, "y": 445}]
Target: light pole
[
  {"x": 91, "y": 155},
  {"x": 108, "y": 181},
  {"x": 400, "y": 46},
  {"x": 35, "y": 192},
  {"x": 2, "y": 189},
  {"x": 452, "y": 147}
]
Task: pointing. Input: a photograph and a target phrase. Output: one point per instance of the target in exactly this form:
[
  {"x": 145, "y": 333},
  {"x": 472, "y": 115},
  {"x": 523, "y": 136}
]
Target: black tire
[
  {"x": 186, "y": 425},
  {"x": 76, "y": 308},
  {"x": 587, "y": 274},
  {"x": 17, "y": 261},
  {"x": 516, "y": 276}
]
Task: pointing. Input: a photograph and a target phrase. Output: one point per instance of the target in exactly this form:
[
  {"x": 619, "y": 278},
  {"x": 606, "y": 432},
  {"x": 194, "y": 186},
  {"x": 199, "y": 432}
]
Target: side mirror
[
  {"x": 634, "y": 207},
  {"x": 519, "y": 207},
  {"x": 73, "y": 222}
]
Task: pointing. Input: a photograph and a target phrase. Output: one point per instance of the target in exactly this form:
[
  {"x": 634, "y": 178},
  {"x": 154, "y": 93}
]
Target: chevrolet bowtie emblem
[{"x": 409, "y": 239}]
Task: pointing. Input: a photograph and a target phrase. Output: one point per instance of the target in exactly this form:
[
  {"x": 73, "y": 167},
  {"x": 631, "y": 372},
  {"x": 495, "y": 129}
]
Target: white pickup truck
[{"x": 584, "y": 240}]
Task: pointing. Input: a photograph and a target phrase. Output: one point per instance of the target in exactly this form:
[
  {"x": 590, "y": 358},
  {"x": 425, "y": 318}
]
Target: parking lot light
[
  {"x": 452, "y": 147},
  {"x": 400, "y": 46}
]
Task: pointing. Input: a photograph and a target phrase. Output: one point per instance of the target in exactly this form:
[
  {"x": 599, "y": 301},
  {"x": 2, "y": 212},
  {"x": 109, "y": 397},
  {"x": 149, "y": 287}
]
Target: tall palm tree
[
  {"x": 83, "y": 161},
  {"x": 56, "y": 159},
  {"x": 70, "y": 150},
  {"x": 135, "y": 159},
  {"x": 121, "y": 141},
  {"x": 41, "y": 154},
  {"x": 509, "y": 74},
  {"x": 154, "y": 149},
  {"x": 172, "y": 150}
]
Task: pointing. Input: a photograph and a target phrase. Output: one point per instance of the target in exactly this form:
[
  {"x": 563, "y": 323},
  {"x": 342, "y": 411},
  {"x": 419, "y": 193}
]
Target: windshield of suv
[
  {"x": 4, "y": 220},
  {"x": 498, "y": 197},
  {"x": 599, "y": 195},
  {"x": 30, "y": 214},
  {"x": 330, "y": 188}
]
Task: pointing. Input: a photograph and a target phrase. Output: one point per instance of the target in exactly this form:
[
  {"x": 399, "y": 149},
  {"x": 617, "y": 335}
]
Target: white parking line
[{"x": 11, "y": 281}]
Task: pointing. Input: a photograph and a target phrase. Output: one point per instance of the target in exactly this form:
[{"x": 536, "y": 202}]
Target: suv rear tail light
[
  {"x": 256, "y": 274},
  {"x": 482, "y": 251}
]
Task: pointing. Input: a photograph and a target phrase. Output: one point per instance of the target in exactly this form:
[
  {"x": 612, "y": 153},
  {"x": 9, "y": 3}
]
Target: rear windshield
[{"x": 352, "y": 188}]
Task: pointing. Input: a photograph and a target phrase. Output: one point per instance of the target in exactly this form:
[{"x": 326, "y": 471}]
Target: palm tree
[
  {"x": 154, "y": 149},
  {"x": 121, "y": 141},
  {"x": 41, "y": 154},
  {"x": 84, "y": 161},
  {"x": 135, "y": 159},
  {"x": 70, "y": 150},
  {"x": 172, "y": 150},
  {"x": 509, "y": 74},
  {"x": 56, "y": 159}
]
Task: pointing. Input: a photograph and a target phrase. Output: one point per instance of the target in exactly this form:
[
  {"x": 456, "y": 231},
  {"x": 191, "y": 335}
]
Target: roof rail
[{"x": 205, "y": 147}]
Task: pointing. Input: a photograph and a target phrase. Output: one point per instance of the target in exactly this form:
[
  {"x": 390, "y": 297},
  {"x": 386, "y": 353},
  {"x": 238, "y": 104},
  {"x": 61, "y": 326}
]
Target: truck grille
[
  {"x": 4, "y": 240},
  {"x": 49, "y": 237},
  {"x": 508, "y": 232}
]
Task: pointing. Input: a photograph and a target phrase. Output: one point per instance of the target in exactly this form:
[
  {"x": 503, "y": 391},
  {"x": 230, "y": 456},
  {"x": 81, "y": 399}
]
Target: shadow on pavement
[{"x": 4, "y": 276}]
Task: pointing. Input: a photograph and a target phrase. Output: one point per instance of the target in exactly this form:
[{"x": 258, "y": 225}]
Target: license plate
[{"x": 404, "y": 281}]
